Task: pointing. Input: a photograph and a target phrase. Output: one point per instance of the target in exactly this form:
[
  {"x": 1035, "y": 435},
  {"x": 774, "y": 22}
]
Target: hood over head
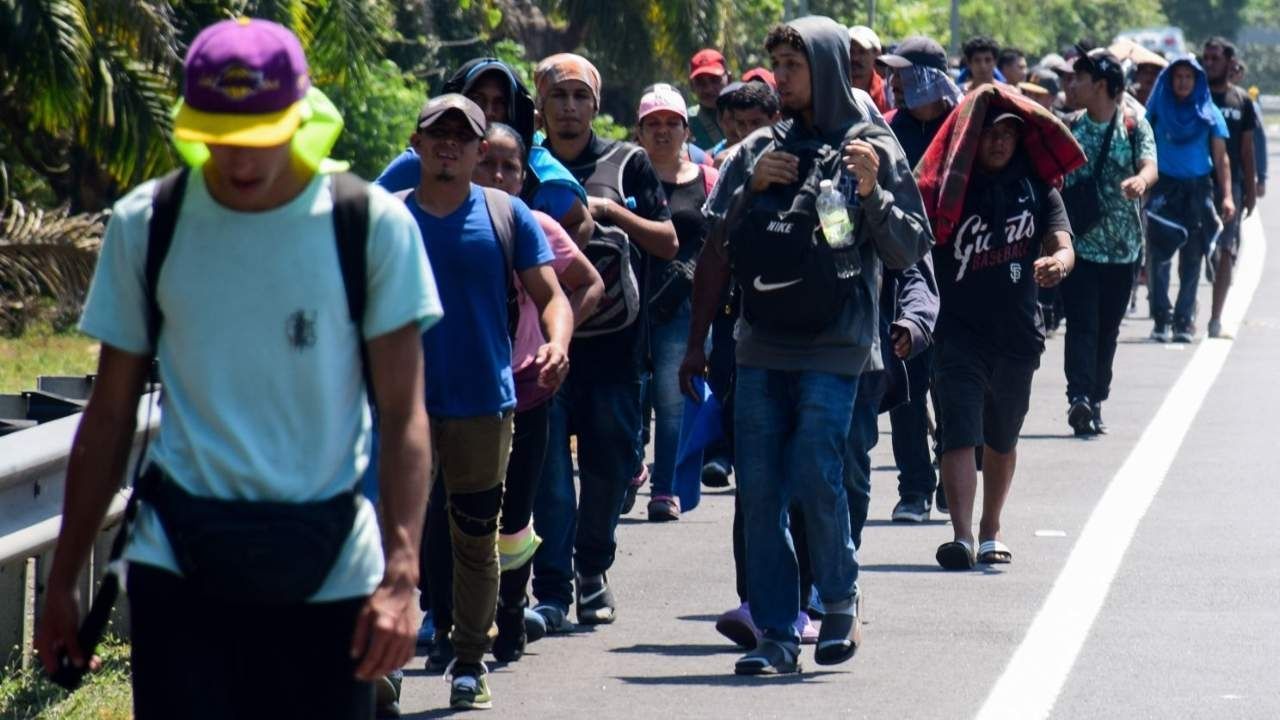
[
  {"x": 826, "y": 44},
  {"x": 519, "y": 101}
]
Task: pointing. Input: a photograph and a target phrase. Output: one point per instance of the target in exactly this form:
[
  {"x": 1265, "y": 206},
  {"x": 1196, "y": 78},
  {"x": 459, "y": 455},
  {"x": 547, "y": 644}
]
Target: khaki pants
[{"x": 471, "y": 460}]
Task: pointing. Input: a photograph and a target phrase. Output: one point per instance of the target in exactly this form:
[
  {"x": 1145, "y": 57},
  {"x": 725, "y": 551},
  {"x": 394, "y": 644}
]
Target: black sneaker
[
  {"x": 595, "y": 601},
  {"x": 1099, "y": 427},
  {"x": 911, "y": 509},
  {"x": 386, "y": 694},
  {"x": 1184, "y": 334},
  {"x": 940, "y": 500},
  {"x": 1080, "y": 417},
  {"x": 715, "y": 474},
  {"x": 509, "y": 645},
  {"x": 441, "y": 652},
  {"x": 1162, "y": 333}
]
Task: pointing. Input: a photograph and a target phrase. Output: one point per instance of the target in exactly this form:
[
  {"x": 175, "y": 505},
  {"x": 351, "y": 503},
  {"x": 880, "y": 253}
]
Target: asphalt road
[{"x": 1187, "y": 627}]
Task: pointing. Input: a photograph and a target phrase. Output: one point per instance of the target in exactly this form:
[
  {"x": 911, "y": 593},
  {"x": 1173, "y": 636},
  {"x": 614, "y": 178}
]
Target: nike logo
[{"x": 770, "y": 287}]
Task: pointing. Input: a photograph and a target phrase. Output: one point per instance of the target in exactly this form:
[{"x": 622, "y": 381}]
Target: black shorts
[{"x": 982, "y": 395}]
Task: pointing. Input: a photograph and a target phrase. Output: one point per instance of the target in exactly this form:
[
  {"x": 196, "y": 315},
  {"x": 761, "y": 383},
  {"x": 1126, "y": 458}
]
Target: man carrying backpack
[
  {"x": 257, "y": 583},
  {"x": 810, "y": 324},
  {"x": 600, "y": 401}
]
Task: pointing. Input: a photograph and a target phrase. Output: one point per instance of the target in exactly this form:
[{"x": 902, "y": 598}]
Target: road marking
[
  {"x": 1051, "y": 533},
  {"x": 1040, "y": 666}
]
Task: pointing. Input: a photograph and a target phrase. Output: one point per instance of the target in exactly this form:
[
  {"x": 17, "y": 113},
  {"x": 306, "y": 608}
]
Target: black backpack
[
  {"x": 610, "y": 250},
  {"x": 792, "y": 281}
]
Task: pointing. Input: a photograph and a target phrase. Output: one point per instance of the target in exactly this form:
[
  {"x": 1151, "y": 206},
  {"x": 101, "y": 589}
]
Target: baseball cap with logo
[
  {"x": 707, "y": 61},
  {"x": 663, "y": 98},
  {"x": 440, "y": 106},
  {"x": 245, "y": 84},
  {"x": 1100, "y": 64},
  {"x": 918, "y": 50}
]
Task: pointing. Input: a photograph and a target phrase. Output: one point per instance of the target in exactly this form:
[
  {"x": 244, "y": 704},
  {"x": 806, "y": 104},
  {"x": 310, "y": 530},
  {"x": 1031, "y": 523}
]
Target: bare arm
[
  {"x": 99, "y": 454},
  {"x": 577, "y": 221},
  {"x": 557, "y": 324},
  {"x": 1137, "y": 186},
  {"x": 656, "y": 237},
  {"x": 1058, "y": 261},
  {"x": 585, "y": 288},
  {"x": 1222, "y": 165},
  {"x": 710, "y": 277},
  {"x": 385, "y": 632}
]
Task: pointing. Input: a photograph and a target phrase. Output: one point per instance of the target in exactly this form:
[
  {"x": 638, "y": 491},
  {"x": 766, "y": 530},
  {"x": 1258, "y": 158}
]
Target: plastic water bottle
[{"x": 833, "y": 213}]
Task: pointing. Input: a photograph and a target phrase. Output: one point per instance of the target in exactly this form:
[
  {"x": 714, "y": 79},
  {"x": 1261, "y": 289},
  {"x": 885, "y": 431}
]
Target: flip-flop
[
  {"x": 956, "y": 555},
  {"x": 994, "y": 552}
]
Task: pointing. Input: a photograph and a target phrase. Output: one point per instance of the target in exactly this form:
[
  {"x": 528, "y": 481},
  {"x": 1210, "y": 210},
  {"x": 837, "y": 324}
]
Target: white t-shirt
[{"x": 263, "y": 391}]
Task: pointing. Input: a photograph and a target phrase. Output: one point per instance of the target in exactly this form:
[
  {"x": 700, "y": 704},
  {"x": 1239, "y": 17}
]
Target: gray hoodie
[{"x": 893, "y": 214}]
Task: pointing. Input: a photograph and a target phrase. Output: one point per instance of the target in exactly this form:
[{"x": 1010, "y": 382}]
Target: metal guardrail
[{"x": 33, "y": 465}]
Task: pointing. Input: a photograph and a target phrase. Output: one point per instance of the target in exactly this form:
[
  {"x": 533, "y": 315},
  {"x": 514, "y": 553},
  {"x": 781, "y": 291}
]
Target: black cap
[
  {"x": 1100, "y": 64},
  {"x": 918, "y": 50}
]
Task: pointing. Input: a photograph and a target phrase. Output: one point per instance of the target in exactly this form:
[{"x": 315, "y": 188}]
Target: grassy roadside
[
  {"x": 106, "y": 695},
  {"x": 40, "y": 351}
]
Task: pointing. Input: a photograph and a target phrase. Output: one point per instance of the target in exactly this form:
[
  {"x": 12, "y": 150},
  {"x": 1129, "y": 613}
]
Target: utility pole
[
  {"x": 955, "y": 28},
  {"x": 871, "y": 14},
  {"x": 792, "y": 9}
]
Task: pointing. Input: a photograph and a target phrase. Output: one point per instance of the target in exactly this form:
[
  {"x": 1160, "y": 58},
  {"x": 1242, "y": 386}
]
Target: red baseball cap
[
  {"x": 762, "y": 75},
  {"x": 708, "y": 61}
]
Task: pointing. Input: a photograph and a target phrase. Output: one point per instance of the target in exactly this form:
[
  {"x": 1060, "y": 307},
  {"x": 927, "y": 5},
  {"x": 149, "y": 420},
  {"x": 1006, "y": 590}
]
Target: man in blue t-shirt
[{"x": 470, "y": 392}]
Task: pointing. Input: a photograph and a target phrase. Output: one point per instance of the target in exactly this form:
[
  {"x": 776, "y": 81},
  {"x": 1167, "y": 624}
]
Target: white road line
[{"x": 1040, "y": 666}]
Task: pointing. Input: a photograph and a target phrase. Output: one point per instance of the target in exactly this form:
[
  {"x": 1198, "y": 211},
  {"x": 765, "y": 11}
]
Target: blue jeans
[
  {"x": 580, "y": 532},
  {"x": 667, "y": 342},
  {"x": 864, "y": 433},
  {"x": 793, "y": 432},
  {"x": 1190, "y": 258}
]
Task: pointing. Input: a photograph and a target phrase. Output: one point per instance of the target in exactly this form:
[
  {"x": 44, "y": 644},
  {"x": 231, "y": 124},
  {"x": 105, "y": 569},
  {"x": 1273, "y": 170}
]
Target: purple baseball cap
[{"x": 245, "y": 84}]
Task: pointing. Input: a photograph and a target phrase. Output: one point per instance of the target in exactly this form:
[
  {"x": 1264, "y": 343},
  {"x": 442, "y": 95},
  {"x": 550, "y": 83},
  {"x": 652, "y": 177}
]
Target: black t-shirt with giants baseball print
[{"x": 986, "y": 279}]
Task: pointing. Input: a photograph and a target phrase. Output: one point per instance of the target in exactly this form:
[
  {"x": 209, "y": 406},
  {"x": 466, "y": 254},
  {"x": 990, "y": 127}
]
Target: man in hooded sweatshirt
[{"x": 795, "y": 392}]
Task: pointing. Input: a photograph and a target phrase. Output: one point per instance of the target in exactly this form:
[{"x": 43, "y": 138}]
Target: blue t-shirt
[
  {"x": 468, "y": 353},
  {"x": 1191, "y": 159},
  {"x": 554, "y": 197},
  {"x": 263, "y": 392}
]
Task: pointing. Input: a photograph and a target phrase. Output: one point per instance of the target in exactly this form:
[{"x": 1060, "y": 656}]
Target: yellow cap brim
[{"x": 258, "y": 130}]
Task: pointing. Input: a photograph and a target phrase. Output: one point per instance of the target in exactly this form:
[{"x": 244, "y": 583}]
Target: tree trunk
[{"x": 525, "y": 21}]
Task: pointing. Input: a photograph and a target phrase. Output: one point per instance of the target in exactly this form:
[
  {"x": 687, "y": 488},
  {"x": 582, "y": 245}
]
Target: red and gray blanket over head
[{"x": 944, "y": 171}]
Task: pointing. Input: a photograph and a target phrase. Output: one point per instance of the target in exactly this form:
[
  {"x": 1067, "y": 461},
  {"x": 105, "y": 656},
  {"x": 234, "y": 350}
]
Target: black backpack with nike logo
[{"x": 792, "y": 280}]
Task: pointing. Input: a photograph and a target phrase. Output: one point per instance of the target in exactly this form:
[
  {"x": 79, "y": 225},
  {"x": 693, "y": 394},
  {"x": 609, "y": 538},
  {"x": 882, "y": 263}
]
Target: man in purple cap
[{"x": 258, "y": 585}]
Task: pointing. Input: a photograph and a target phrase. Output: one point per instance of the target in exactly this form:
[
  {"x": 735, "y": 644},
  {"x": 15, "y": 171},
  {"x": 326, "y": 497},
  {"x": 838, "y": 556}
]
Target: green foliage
[
  {"x": 106, "y": 695},
  {"x": 1202, "y": 19},
  {"x": 605, "y": 126},
  {"x": 379, "y": 114}
]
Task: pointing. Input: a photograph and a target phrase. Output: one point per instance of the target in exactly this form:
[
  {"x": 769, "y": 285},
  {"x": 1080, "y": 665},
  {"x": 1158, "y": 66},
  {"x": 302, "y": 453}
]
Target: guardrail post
[{"x": 13, "y": 611}]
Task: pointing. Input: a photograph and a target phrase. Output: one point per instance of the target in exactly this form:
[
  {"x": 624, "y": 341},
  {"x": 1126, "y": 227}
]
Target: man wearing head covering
[
  {"x": 708, "y": 75},
  {"x": 988, "y": 181},
  {"x": 265, "y": 408},
  {"x": 819, "y": 371},
  {"x": 548, "y": 187},
  {"x": 919, "y": 67},
  {"x": 864, "y": 48},
  {"x": 600, "y": 400},
  {"x": 1191, "y": 136}
]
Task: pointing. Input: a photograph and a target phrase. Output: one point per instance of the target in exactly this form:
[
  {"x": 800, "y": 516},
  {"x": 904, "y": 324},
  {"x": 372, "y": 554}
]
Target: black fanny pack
[{"x": 238, "y": 551}]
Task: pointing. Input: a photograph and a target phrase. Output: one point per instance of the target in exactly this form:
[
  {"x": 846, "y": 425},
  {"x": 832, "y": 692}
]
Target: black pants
[
  {"x": 524, "y": 468},
  {"x": 196, "y": 658},
  {"x": 1096, "y": 296}
]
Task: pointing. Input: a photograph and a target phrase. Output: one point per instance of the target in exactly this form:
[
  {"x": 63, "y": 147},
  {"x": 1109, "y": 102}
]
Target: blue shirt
[
  {"x": 263, "y": 392},
  {"x": 554, "y": 197},
  {"x": 1191, "y": 159},
  {"x": 468, "y": 353}
]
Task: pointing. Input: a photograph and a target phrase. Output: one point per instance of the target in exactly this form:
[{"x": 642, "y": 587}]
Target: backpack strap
[
  {"x": 166, "y": 203},
  {"x": 351, "y": 233},
  {"x": 502, "y": 214}
]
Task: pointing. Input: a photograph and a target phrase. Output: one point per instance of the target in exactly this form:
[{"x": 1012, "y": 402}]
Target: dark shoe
[
  {"x": 736, "y": 624},
  {"x": 441, "y": 652},
  {"x": 715, "y": 474},
  {"x": 840, "y": 636},
  {"x": 911, "y": 509},
  {"x": 1099, "y": 427},
  {"x": 637, "y": 482},
  {"x": 1184, "y": 334},
  {"x": 955, "y": 555},
  {"x": 595, "y": 601},
  {"x": 1215, "y": 328},
  {"x": 1162, "y": 333},
  {"x": 386, "y": 695},
  {"x": 664, "y": 508},
  {"x": 509, "y": 645},
  {"x": 535, "y": 626},
  {"x": 554, "y": 618},
  {"x": 769, "y": 658},
  {"x": 468, "y": 688},
  {"x": 1080, "y": 417},
  {"x": 940, "y": 500},
  {"x": 426, "y": 631}
]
